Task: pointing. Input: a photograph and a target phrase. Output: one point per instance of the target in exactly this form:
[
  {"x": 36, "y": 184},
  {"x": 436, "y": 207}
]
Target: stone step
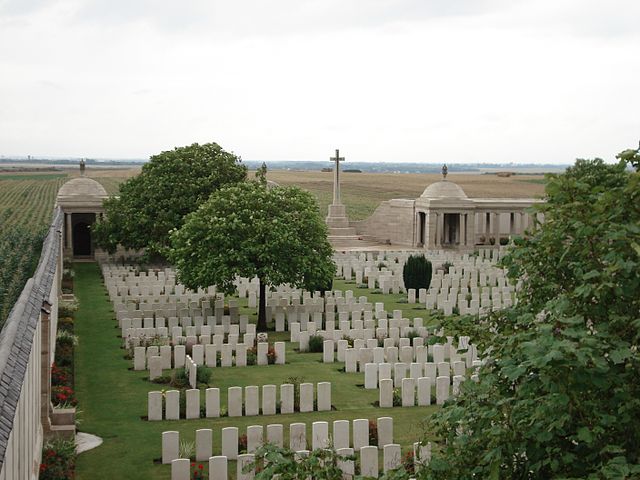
[
  {"x": 349, "y": 241},
  {"x": 342, "y": 232}
]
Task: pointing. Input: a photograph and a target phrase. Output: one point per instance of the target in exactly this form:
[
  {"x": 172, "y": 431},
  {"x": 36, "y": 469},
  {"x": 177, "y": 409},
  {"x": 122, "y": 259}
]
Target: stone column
[
  {"x": 463, "y": 229},
  {"x": 439, "y": 229},
  {"x": 495, "y": 226},
  {"x": 45, "y": 367},
  {"x": 471, "y": 229},
  {"x": 69, "y": 236}
]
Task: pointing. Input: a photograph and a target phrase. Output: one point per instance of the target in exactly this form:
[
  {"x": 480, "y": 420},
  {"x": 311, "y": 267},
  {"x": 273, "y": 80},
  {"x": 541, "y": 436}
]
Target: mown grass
[{"x": 113, "y": 398}]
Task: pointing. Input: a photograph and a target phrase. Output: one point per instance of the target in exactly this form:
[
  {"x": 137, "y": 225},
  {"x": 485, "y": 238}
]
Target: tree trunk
[{"x": 262, "y": 309}]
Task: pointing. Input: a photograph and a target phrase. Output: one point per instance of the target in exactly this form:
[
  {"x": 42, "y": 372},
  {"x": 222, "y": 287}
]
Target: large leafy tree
[
  {"x": 171, "y": 185},
  {"x": 560, "y": 394},
  {"x": 251, "y": 230}
]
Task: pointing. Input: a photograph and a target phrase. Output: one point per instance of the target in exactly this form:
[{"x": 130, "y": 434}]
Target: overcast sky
[{"x": 541, "y": 81}]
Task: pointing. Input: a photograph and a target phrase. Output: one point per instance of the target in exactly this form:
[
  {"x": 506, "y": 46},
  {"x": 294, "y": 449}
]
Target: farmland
[{"x": 26, "y": 202}]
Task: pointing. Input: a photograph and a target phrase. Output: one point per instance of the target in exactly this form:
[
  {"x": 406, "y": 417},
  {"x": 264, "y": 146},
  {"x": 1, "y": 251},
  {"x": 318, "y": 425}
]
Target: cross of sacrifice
[{"x": 336, "y": 177}]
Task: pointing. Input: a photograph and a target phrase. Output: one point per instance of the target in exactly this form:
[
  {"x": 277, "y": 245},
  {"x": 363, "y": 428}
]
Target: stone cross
[{"x": 336, "y": 177}]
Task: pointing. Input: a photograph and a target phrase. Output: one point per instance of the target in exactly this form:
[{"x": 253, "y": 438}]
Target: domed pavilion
[
  {"x": 444, "y": 217},
  {"x": 81, "y": 202}
]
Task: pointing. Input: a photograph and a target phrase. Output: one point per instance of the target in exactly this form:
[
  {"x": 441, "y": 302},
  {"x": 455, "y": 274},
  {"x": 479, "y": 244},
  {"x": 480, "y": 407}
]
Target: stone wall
[
  {"x": 392, "y": 222},
  {"x": 29, "y": 328}
]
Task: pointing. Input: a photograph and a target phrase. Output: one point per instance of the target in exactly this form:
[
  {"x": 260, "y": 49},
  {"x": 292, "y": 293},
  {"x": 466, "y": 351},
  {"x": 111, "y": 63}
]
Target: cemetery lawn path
[{"x": 112, "y": 399}]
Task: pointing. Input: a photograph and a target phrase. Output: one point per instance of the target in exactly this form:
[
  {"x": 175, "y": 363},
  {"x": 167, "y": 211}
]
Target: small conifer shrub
[{"x": 417, "y": 272}]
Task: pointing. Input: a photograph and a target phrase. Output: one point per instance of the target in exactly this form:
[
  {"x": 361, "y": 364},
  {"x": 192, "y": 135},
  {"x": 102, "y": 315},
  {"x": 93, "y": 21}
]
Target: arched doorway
[{"x": 81, "y": 239}]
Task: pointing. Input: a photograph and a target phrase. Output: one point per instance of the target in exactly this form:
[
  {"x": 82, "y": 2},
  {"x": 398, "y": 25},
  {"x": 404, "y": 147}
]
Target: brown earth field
[{"x": 363, "y": 192}]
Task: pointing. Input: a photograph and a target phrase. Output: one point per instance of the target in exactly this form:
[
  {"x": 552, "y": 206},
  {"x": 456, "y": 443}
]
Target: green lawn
[{"x": 112, "y": 398}]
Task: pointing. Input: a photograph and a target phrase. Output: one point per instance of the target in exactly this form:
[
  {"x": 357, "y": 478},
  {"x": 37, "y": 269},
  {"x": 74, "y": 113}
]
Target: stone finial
[
  {"x": 445, "y": 170},
  {"x": 82, "y": 166}
]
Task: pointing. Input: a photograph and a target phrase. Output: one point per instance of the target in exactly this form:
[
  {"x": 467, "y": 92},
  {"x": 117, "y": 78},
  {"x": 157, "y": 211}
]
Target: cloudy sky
[{"x": 541, "y": 81}]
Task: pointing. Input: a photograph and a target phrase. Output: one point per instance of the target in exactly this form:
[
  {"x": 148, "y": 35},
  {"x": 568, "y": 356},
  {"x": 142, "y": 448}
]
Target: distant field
[{"x": 363, "y": 192}]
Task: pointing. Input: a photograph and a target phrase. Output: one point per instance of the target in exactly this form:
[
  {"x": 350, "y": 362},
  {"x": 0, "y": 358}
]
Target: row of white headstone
[
  {"x": 345, "y": 434},
  {"x": 374, "y": 372},
  {"x": 422, "y": 387},
  {"x": 156, "y": 359},
  {"x": 183, "y": 327},
  {"x": 355, "y": 359},
  {"x": 236, "y": 407},
  {"x": 369, "y": 463}
]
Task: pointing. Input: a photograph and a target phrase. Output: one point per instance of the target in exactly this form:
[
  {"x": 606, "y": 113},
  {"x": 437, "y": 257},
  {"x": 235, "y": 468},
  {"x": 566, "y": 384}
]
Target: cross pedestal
[
  {"x": 340, "y": 233},
  {"x": 337, "y": 215}
]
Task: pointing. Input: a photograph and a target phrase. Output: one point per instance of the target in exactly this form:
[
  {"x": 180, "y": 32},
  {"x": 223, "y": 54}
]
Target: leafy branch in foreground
[{"x": 559, "y": 396}]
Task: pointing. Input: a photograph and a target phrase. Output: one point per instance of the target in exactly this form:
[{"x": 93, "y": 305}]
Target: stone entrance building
[
  {"x": 81, "y": 202},
  {"x": 443, "y": 217}
]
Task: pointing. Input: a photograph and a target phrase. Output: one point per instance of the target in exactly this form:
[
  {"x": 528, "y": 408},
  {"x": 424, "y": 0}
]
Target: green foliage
[
  {"x": 67, "y": 308},
  {"x": 271, "y": 460},
  {"x": 19, "y": 253},
  {"x": 316, "y": 343},
  {"x": 58, "y": 460},
  {"x": 249, "y": 230},
  {"x": 203, "y": 375},
  {"x": 295, "y": 381},
  {"x": 560, "y": 394},
  {"x": 172, "y": 184},
  {"x": 417, "y": 272}
]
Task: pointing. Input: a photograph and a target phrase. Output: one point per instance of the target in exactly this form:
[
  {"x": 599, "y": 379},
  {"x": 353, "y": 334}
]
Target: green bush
[
  {"x": 180, "y": 378},
  {"x": 417, "y": 272},
  {"x": 58, "y": 460},
  {"x": 203, "y": 375},
  {"x": 315, "y": 343}
]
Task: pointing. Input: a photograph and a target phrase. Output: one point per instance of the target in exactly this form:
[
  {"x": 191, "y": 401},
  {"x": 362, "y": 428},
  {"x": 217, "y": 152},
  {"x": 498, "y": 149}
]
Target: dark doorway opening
[
  {"x": 81, "y": 239},
  {"x": 422, "y": 226},
  {"x": 81, "y": 233}
]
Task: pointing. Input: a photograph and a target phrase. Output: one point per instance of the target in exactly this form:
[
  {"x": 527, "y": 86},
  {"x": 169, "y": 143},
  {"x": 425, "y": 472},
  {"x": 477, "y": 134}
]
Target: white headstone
[
  {"x": 306, "y": 397},
  {"x": 340, "y": 434},
  {"x": 369, "y": 461},
  {"x": 218, "y": 468},
  {"x": 251, "y": 403},
  {"x": 254, "y": 437},
  {"x": 193, "y": 403},
  {"x": 320, "y": 435},
  {"x": 154, "y": 408},
  {"x": 172, "y": 405},
  {"x": 170, "y": 446},
  {"x": 204, "y": 444},
  {"x": 385, "y": 431},
  {"x": 442, "y": 389},
  {"x": 360, "y": 433},
  {"x": 386, "y": 393},
  {"x": 234, "y": 401},
  {"x": 286, "y": 398},
  {"x": 230, "y": 442},
  {"x": 268, "y": 400},
  {"x": 297, "y": 436}
]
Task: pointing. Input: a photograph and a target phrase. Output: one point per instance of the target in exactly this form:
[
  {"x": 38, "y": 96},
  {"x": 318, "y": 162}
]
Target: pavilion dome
[
  {"x": 444, "y": 189},
  {"x": 81, "y": 191}
]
